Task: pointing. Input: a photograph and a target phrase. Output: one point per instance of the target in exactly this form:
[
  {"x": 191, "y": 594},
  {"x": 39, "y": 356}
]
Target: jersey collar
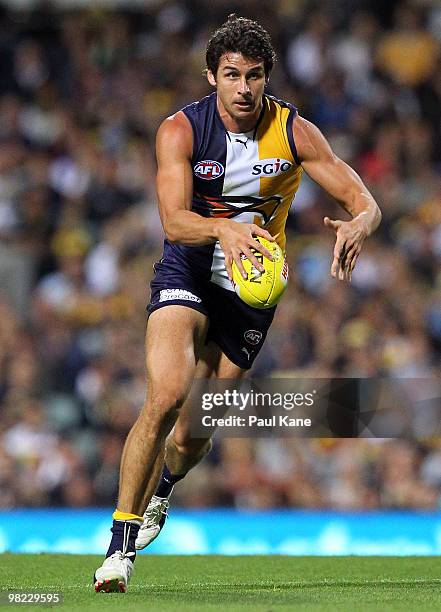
[{"x": 259, "y": 120}]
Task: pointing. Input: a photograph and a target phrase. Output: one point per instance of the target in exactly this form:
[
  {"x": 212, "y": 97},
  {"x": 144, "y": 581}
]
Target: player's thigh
[
  {"x": 174, "y": 338},
  {"x": 217, "y": 364},
  {"x": 213, "y": 363}
]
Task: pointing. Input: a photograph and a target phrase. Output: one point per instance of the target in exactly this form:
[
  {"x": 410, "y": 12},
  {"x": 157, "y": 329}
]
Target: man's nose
[{"x": 244, "y": 88}]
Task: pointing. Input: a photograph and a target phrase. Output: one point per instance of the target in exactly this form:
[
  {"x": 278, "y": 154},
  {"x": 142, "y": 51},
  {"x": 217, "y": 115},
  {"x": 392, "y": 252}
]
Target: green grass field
[{"x": 264, "y": 584}]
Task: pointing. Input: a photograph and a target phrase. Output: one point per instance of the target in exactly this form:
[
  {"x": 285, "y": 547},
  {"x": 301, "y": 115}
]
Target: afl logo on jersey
[
  {"x": 271, "y": 167},
  {"x": 208, "y": 169}
]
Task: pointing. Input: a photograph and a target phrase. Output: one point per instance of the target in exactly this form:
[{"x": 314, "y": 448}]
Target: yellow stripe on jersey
[{"x": 274, "y": 149}]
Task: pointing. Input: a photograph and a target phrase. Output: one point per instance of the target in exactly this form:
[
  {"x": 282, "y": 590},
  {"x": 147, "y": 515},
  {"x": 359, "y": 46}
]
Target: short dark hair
[{"x": 240, "y": 35}]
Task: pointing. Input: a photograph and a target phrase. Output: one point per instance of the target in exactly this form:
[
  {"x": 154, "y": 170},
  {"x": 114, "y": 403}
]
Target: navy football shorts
[{"x": 238, "y": 329}]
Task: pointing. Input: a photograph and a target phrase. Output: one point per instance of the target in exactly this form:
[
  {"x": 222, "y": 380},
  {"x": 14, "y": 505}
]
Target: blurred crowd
[{"x": 81, "y": 96}]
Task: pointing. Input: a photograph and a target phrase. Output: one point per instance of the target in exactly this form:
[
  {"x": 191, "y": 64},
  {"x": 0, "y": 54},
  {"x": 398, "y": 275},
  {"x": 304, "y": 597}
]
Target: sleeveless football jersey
[{"x": 250, "y": 178}]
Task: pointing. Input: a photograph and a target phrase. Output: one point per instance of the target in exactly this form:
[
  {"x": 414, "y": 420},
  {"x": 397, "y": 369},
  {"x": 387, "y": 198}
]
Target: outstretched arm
[{"x": 342, "y": 183}]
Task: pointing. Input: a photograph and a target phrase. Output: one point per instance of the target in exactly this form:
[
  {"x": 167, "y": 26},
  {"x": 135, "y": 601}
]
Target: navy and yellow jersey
[{"x": 250, "y": 178}]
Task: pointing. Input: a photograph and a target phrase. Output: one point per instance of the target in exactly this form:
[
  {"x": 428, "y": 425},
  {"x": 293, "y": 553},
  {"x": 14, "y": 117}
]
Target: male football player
[{"x": 229, "y": 166}]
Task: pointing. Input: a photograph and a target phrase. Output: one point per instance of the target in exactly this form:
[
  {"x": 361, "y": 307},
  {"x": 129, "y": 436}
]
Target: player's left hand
[{"x": 350, "y": 238}]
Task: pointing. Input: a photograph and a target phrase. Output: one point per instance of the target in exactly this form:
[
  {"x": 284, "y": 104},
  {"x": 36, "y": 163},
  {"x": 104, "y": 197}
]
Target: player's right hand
[{"x": 237, "y": 238}]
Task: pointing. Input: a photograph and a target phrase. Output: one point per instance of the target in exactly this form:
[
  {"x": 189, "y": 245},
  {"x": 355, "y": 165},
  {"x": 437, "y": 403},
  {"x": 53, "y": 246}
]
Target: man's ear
[{"x": 211, "y": 79}]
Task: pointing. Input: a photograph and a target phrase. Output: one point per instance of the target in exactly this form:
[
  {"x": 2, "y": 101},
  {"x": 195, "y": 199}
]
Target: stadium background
[{"x": 82, "y": 92}]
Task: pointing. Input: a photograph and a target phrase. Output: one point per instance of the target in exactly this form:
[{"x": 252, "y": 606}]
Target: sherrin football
[{"x": 262, "y": 290}]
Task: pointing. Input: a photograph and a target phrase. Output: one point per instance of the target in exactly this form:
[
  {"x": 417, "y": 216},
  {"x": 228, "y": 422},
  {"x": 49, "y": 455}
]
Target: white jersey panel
[{"x": 242, "y": 155}]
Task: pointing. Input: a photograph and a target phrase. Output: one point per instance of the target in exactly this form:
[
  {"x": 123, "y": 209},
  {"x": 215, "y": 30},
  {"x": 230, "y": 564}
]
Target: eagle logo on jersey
[
  {"x": 228, "y": 207},
  {"x": 208, "y": 169}
]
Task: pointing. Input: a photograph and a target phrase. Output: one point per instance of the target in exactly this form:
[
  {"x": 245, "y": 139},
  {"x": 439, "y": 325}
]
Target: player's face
[{"x": 240, "y": 82}]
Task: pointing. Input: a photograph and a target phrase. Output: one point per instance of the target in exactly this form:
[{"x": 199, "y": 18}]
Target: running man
[{"x": 229, "y": 166}]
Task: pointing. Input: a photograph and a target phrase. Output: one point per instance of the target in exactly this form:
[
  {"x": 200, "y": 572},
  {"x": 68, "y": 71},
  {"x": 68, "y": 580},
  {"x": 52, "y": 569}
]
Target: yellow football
[{"x": 262, "y": 290}]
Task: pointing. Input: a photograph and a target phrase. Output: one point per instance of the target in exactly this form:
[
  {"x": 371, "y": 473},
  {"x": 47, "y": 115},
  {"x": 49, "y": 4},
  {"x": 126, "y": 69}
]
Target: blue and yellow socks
[
  {"x": 167, "y": 482},
  {"x": 124, "y": 531}
]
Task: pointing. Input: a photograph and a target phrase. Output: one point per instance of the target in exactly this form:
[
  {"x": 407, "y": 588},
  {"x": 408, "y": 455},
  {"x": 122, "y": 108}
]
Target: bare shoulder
[
  {"x": 310, "y": 142},
  {"x": 175, "y": 135}
]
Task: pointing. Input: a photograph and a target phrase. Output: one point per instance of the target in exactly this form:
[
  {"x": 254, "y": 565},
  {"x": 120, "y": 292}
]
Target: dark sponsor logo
[{"x": 271, "y": 167}]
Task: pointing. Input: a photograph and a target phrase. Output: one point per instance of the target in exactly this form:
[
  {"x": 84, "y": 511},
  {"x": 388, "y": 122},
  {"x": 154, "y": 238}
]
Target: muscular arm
[
  {"x": 174, "y": 185},
  {"x": 343, "y": 184}
]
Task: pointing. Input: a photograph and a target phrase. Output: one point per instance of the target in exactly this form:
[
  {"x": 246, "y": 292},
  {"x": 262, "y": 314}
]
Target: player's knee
[
  {"x": 190, "y": 447},
  {"x": 163, "y": 405}
]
